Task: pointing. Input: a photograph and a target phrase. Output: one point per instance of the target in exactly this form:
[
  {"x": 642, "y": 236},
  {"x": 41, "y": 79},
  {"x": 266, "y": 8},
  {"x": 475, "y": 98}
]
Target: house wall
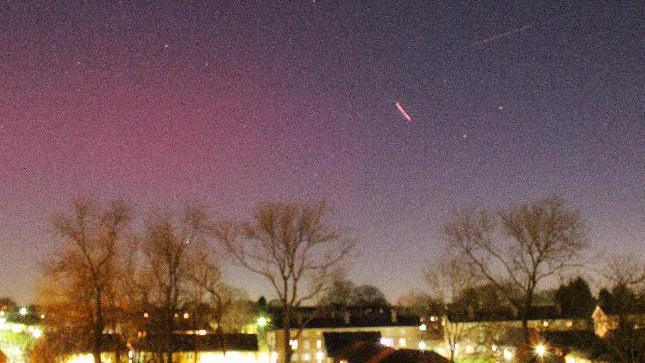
[
  {"x": 89, "y": 358},
  {"x": 220, "y": 357},
  {"x": 310, "y": 344}
]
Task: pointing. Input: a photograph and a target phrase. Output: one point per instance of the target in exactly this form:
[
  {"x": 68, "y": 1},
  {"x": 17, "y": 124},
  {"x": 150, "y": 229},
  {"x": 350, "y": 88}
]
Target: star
[
  {"x": 463, "y": 136},
  {"x": 500, "y": 108}
]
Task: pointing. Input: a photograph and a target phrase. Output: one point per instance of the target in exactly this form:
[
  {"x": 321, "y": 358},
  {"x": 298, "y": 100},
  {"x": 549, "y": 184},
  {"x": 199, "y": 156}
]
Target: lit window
[
  {"x": 145, "y": 315},
  {"x": 434, "y": 318},
  {"x": 508, "y": 355},
  {"x": 470, "y": 349},
  {"x": 387, "y": 342},
  {"x": 545, "y": 323},
  {"x": 402, "y": 342},
  {"x": 305, "y": 345},
  {"x": 320, "y": 356},
  {"x": 318, "y": 344},
  {"x": 186, "y": 315},
  {"x": 306, "y": 357},
  {"x": 422, "y": 345},
  {"x": 294, "y": 344},
  {"x": 493, "y": 348},
  {"x": 423, "y": 327},
  {"x": 569, "y": 323}
]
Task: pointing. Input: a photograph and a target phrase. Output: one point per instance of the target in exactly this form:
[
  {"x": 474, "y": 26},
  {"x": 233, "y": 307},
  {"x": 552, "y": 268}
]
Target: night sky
[{"x": 233, "y": 104}]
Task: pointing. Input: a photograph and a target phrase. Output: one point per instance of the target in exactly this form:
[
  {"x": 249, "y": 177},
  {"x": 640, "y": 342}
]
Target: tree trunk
[
  {"x": 117, "y": 352},
  {"x": 526, "y": 310},
  {"x": 98, "y": 340},
  {"x": 168, "y": 341},
  {"x": 99, "y": 325},
  {"x": 286, "y": 328}
]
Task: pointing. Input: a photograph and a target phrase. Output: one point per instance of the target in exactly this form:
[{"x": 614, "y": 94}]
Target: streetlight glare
[
  {"x": 262, "y": 322},
  {"x": 540, "y": 350}
]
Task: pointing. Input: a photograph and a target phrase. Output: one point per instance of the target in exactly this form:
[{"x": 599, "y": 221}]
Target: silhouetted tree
[
  {"x": 575, "y": 298},
  {"x": 293, "y": 248},
  {"x": 79, "y": 279},
  {"x": 541, "y": 239},
  {"x": 340, "y": 293},
  {"x": 451, "y": 283},
  {"x": 170, "y": 247},
  {"x": 343, "y": 293},
  {"x": 368, "y": 295},
  {"x": 625, "y": 302}
]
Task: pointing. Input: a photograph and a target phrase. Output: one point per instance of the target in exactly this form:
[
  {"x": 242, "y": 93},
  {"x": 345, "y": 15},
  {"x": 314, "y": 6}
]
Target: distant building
[
  {"x": 498, "y": 333},
  {"x": 605, "y": 320},
  {"x": 327, "y": 333},
  {"x": 204, "y": 348},
  {"x": 74, "y": 349}
]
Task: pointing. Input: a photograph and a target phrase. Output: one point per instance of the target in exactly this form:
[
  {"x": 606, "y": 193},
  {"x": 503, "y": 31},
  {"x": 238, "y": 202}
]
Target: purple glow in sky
[{"x": 230, "y": 104}]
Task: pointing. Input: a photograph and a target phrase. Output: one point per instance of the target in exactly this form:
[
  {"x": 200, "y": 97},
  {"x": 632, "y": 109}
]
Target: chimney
[{"x": 394, "y": 315}]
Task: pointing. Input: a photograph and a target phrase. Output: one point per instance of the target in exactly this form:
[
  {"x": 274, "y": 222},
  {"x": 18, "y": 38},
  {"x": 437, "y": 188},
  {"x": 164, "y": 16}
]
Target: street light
[
  {"x": 262, "y": 322},
  {"x": 540, "y": 350}
]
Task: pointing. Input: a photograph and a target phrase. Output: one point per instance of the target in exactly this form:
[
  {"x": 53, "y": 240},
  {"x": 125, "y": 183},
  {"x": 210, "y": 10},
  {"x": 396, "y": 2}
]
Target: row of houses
[{"x": 383, "y": 333}]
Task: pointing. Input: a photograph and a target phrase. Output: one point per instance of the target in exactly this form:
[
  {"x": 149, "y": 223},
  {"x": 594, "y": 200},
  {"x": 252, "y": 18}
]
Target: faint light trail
[
  {"x": 403, "y": 112},
  {"x": 502, "y": 35}
]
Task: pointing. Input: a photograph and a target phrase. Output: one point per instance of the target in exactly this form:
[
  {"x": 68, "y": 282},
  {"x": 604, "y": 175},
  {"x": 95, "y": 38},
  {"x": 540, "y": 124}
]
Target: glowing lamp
[
  {"x": 540, "y": 350},
  {"x": 37, "y": 333}
]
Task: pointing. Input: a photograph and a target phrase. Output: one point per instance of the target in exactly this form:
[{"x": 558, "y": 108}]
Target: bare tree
[
  {"x": 625, "y": 270},
  {"x": 342, "y": 293},
  {"x": 79, "y": 287},
  {"x": 169, "y": 246},
  {"x": 449, "y": 277},
  {"x": 626, "y": 273},
  {"x": 542, "y": 239},
  {"x": 229, "y": 308},
  {"x": 292, "y": 247}
]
